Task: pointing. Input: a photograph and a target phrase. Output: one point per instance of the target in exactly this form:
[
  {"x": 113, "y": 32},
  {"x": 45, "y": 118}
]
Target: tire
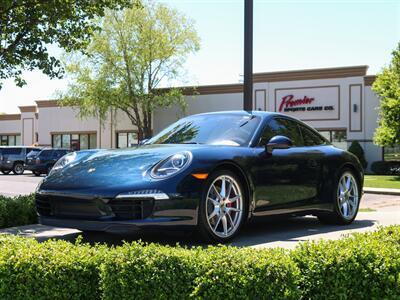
[
  {"x": 18, "y": 169},
  {"x": 219, "y": 219},
  {"x": 345, "y": 201},
  {"x": 6, "y": 172},
  {"x": 36, "y": 173}
]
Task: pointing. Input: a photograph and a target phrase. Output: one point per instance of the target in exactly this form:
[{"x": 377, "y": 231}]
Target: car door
[
  {"x": 284, "y": 179},
  {"x": 314, "y": 152}
]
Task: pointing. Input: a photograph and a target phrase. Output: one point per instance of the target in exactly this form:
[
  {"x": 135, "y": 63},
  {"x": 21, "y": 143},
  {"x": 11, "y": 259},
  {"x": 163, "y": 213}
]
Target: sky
[{"x": 288, "y": 35}]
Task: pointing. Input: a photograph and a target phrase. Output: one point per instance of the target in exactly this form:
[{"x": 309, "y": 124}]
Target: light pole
[{"x": 248, "y": 56}]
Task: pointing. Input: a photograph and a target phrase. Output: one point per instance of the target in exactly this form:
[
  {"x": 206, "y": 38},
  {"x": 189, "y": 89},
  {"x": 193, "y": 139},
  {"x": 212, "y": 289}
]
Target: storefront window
[
  {"x": 84, "y": 141},
  {"x": 75, "y": 141},
  {"x": 93, "y": 141},
  {"x": 338, "y": 138},
  {"x": 391, "y": 153},
  {"x": 10, "y": 140},
  {"x": 66, "y": 141},
  {"x": 126, "y": 139}
]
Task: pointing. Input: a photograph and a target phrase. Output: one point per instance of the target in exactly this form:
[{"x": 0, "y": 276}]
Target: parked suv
[
  {"x": 13, "y": 158},
  {"x": 42, "y": 162}
]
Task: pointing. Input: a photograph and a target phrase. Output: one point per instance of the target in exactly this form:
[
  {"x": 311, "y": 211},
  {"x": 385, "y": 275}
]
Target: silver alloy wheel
[
  {"x": 224, "y": 206},
  {"x": 347, "y": 196}
]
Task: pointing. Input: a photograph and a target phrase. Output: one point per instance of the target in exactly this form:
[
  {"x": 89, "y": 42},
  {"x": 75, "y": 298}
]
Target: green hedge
[
  {"x": 386, "y": 167},
  {"x": 17, "y": 211},
  {"x": 362, "y": 266}
]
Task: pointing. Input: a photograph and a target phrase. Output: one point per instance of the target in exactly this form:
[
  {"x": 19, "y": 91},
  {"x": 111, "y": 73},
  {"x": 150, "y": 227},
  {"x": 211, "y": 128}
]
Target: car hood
[{"x": 108, "y": 168}]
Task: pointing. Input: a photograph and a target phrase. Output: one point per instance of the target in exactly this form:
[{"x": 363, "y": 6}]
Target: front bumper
[{"x": 125, "y": 213}]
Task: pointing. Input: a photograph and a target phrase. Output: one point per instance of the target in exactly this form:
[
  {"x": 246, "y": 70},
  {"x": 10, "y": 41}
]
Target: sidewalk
[{"x": 382, "y": 191}]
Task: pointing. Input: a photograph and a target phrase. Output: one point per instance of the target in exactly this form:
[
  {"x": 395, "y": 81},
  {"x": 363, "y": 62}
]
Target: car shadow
[
  {"x": 271, "y": 232},
  {"x": 259, "y": 232}
]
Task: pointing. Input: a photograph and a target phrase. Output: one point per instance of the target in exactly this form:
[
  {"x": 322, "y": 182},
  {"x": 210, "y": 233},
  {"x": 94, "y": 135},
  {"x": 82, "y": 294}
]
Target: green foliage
[
  {"x": 153, "y": 272},
  {"x": 137, "y": 49},
  {"x": 387, "y": 86},
  {"x": 28, "y": 27},
  {"x": 17, "y": 211},
  {"x": 386, "y": 167},
  {"x": 358, "y": 151},
  {"x": 361, "y": 266},
  {"x": 50, "y": 270}
]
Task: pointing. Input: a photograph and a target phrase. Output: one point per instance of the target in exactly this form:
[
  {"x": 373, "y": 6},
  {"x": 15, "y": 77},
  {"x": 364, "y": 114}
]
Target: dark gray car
[{"x": 13, "y": 159}]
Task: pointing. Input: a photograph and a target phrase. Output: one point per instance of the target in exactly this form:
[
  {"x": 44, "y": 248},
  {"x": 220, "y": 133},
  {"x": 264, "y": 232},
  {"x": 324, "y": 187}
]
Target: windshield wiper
[{"x": 190, "y": 143}]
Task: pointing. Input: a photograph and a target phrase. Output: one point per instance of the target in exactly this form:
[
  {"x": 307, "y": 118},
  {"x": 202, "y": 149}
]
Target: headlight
[
  {"x": 172, "y": 165},
  {"x": 63, "y": 161}
]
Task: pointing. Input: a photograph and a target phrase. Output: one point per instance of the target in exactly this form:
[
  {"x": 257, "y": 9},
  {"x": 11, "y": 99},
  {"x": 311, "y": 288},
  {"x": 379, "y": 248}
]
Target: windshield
[
  {"x": 218, "y": 129},
  {"x": 33, "y": 153},
  {"x": 11, "y": 151}
]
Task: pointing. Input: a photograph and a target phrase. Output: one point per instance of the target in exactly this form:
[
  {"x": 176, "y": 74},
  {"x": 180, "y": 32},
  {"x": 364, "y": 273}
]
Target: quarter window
[{"x": 311, "y": 138}]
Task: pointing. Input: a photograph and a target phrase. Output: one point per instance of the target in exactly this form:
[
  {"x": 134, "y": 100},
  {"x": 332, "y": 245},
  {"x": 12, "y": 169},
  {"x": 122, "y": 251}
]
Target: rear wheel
[
  {"x": 18, "y": 169},
  {"x": 346, "y": 200},
  {"x": 36, "y": 173},
  {"x": 6, "y": 172},
  {"x": 222, "y": 208}
]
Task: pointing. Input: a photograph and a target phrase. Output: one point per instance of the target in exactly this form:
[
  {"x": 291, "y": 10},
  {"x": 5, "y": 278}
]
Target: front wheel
[
  {"x": 346, "y": 200},
  {"x": 18, "y": 169},
  {"x": 36, "y": 173},
  {"x": 222, "y": 208},
  {"x": 6, "y": 172}
]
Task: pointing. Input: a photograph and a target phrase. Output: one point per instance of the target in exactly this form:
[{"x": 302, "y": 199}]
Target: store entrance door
[{"x": 75, "y": 146}]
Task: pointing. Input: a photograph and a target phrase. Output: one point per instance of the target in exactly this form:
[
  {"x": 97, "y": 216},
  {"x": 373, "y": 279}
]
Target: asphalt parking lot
[
  {"x": 14, "y": 185},
  {"x": 375, "y": 210}
]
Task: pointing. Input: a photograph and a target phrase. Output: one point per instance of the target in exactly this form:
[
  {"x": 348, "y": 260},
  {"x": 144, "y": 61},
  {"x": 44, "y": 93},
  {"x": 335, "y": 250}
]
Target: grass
[
  {"x": 367, "y": 209},
  {"x": 382, "y": 181}
]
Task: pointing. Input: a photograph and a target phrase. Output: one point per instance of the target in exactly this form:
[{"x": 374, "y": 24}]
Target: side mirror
[
  {"x": 278, "y": 142},
  {"x": 142, "y": 142}
]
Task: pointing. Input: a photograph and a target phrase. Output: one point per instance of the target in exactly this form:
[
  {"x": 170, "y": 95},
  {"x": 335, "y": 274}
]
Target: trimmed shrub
[
  {"x": 49, "y": 270},
  {"x": 17, "y": 211},
  {"x": 153, "y": 272},
  {"x": 386, "y": 167},
  {"x": 363, "y": 266},
  {"x": 358, "y": 151}
]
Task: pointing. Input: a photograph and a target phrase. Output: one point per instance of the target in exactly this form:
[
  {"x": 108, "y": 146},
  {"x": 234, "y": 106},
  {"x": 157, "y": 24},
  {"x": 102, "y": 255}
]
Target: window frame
[
  {"x": 79, "y": 134},
  {"x": 7, "y": 139},
  {"x": 127, "y": 132},
  {"x": 267, "y": 123}
]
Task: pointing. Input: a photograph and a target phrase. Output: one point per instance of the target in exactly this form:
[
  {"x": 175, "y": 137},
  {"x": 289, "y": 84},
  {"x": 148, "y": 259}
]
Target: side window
[
  {"x": 58, "y": 154},
  {"x": 281, "y": 126},
  {"x": 311, "y": 138}
]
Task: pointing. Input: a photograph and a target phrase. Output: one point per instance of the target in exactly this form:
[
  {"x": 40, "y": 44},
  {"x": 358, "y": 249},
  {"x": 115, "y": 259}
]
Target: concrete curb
[{"x": 395, "y": 192}]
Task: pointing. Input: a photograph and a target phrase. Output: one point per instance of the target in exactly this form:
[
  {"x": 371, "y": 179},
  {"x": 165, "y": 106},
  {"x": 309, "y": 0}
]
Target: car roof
[{"x": 259, "y": 113}]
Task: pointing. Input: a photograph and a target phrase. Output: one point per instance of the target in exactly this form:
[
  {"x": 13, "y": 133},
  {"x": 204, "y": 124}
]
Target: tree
[
  {"x": 137, "y": 49},
  {"x": 27, "y": 27},
  {"x": 387, "y": 86},
  {"x": 358, "y": 151}
]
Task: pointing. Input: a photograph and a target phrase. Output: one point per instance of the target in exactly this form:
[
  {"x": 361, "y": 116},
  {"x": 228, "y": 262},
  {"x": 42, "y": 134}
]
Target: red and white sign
[{"x": 310, "y": 103}]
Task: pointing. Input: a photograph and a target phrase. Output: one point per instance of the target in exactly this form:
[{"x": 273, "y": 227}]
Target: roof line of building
[
  {"x": 10, "y": 117},
  {"x": 28, "y": 108},
  {"x": 306, "y": 74}
]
